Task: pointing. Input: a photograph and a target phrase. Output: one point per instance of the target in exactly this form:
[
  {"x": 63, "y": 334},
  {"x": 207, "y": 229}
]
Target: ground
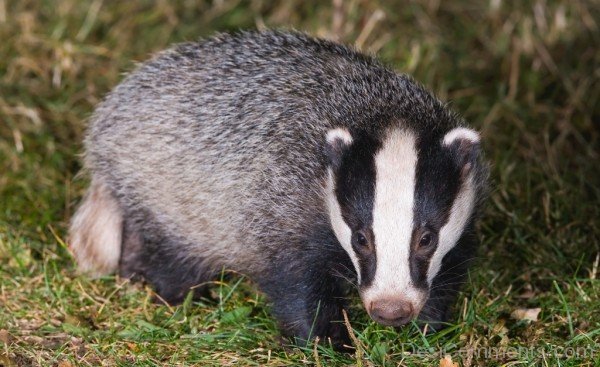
[{"x": 526, "y": 74}]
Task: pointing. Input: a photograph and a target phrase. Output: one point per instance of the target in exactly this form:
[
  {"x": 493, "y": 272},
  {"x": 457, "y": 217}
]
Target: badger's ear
[
  {"x": 338, "y": 141},
  {"x": 464, "y": 146}
]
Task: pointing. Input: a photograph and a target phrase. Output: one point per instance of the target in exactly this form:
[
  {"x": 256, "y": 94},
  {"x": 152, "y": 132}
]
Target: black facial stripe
[
  {"x": 438, "y": 181},
  {"x": 355, "y": 192}
]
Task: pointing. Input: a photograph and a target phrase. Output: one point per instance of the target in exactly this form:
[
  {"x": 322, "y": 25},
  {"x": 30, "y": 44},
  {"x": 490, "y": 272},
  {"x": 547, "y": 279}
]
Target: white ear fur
[
  {"x": 338, "y": 140},
  {"x": 339, "y": 135},
  {"x": 461, "y": 133}
]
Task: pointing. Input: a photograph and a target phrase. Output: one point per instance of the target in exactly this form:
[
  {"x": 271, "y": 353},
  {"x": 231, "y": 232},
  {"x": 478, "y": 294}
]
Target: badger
[{"x": 301, "y": 163}]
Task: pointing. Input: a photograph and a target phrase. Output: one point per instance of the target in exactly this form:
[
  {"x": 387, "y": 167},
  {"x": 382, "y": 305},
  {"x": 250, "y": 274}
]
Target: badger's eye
[
  {"x": 426, "y": 240},
  {"x": 361, "y": 242}
]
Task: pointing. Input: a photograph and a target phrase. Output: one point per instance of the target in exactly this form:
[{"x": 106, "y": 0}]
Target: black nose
[{"x": 391, "y": 312}]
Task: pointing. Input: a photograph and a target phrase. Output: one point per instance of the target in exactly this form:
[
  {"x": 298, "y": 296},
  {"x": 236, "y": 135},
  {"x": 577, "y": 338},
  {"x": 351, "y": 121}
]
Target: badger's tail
[{"x": 96, "y": 231}]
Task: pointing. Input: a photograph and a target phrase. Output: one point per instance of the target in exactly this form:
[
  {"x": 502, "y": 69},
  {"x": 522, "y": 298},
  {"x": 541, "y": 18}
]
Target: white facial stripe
[
  {"x": 341, "y": 229},
  {"x": 393, "y": 217},
  {"x": 452, "y": 230},
  {"x": 461, "y": 133}
]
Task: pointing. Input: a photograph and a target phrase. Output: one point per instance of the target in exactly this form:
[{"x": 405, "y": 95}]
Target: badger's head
[{"x": 398, "y": 204}]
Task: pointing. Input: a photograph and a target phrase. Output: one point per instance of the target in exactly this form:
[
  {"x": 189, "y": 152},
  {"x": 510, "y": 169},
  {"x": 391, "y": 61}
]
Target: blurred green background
[{"x": 525, "y": 73}]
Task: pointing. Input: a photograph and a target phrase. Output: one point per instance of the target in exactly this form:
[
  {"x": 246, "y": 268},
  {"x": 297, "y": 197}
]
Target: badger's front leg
[
  {"x": 437, "y": 309},
  {"x": 306, "y": 298},
  {"x": 306, "y": 310}
]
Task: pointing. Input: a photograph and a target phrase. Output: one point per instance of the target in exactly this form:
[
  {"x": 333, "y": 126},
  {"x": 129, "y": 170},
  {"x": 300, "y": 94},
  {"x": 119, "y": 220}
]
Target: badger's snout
[{"x": 392, "y": 312}]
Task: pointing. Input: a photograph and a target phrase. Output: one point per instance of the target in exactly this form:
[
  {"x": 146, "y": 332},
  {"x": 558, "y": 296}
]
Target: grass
[{"x": 525, "y": 73}]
